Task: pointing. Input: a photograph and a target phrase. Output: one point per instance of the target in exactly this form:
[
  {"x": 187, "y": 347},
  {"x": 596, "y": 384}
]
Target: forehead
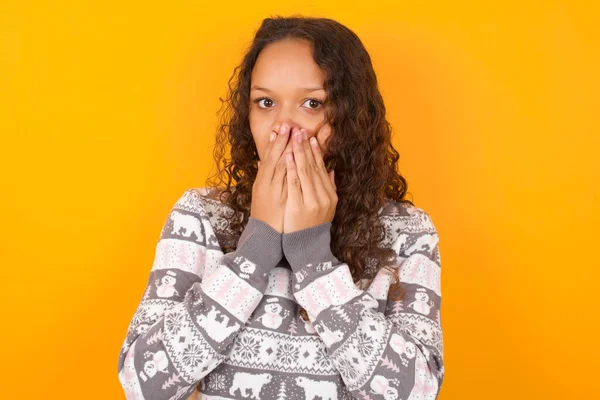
[{"x": 287, "y": 64}]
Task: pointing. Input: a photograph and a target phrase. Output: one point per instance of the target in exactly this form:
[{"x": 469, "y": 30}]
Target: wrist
[
  {"x": 260, "y": 243},
  {"x": 308, "y": 252}
]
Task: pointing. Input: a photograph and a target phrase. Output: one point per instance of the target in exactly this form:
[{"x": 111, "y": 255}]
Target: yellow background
[{"x": 108, "y": 113}]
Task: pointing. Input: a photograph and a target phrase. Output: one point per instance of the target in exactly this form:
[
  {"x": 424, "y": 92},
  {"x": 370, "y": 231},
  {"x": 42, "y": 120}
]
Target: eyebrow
[{"x": 269, "y": 91}]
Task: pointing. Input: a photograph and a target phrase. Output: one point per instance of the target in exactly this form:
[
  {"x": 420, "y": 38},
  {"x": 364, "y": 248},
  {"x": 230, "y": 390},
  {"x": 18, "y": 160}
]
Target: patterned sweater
[{"x": 214, "y": 325}]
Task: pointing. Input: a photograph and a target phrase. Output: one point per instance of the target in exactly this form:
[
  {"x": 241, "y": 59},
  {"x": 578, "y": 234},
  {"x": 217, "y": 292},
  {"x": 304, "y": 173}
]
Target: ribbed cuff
[
  {"x": 308, "y": 246},
  {"x": 261, "y": 244}
]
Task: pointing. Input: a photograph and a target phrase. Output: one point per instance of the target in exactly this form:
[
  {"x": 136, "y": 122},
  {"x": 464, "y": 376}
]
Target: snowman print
[
  {"x": 274, "y": 314},
  {"x": 421, "y": 304},
  {"x": 165, "y": 287}
]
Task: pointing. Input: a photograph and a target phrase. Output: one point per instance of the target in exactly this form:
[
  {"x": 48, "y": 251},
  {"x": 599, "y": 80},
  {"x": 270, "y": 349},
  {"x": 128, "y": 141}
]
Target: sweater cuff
[
  {"x": 309, "y": 246},
  {"x": 260, "y": 243}
]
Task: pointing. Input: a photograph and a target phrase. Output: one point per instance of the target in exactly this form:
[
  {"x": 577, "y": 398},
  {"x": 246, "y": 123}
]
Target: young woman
[{"x": 302, "y": 271}]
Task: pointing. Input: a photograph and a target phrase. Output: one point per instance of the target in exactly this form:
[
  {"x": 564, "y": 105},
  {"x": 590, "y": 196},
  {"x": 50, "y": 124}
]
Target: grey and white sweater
[{"x": 217, "y": 325}]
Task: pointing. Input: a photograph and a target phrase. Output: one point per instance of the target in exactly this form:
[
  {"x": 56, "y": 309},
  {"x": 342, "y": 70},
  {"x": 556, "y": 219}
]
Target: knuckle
[{"x": 313, "y": 208}]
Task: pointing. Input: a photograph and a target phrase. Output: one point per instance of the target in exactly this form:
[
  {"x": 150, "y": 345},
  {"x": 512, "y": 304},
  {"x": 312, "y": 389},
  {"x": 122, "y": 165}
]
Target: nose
[
  {"x": 290, "y": 123},
  {"x": 292, "y": 126}
]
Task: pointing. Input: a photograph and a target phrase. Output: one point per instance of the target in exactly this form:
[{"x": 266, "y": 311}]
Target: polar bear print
[
  {"x": 245, "y": 381},
  {"x": 325, "y": 390},
  {"x": 308, "y": 326},
  {"x": 380, "y": 385},
  {"x": 399, "y": 245},
  {"x": 426, "y": 242},
  {"x": 187, "y": 222},
  {"x": 218, "y": 331},
  {"x": 328, "y": 336},
  {"x": 324, "y": 266},
  {"x": 405, "y": 349},
  {"x": 421, "y": 304},
  {"x": 367, "y": 301}
]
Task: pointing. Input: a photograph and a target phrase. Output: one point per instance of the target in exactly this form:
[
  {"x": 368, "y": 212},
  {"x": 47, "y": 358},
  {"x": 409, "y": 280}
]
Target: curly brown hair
[{"x": 359, "y": 148}]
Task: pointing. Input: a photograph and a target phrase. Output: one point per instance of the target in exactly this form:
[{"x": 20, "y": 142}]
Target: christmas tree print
[
  {"x": 281, "y": 394},
  {"x": 293, "y": 326},
  {"x": 155, "y": 338},
  {"x": 394, "y": 211},
  {"x": 339, "y": 310},
  {"x": 171, "y": 381},
  {"x": 397, "y": 307},
  {"x": 389, "y": 364}
]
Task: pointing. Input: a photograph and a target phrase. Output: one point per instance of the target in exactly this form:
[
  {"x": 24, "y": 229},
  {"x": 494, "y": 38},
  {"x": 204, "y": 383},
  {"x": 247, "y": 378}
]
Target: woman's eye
[
  {"x": 313, "y": 104},
  {"x": 266, "y": 100}
]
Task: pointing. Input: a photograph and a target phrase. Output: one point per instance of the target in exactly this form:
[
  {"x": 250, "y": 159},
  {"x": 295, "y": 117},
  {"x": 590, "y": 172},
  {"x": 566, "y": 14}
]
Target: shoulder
[
  {"x": 205, "y": 203},
  {"x": 192, "y": 201},
  {"x": 407, "y": 216},
  {"x": 405, "y": 224}
]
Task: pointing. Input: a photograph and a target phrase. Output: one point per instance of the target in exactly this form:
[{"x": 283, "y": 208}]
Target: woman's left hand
[{"x": 312, "y": 196}]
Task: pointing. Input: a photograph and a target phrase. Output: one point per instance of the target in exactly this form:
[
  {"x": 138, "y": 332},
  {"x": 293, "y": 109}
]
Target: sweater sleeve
[
  {"x": 388, "y": 351},
  {"x": 196, "y": 301}
]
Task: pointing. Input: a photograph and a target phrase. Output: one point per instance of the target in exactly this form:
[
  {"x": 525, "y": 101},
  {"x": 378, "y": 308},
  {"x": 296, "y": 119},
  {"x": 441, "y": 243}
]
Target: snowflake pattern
[
  {"x": 193, "y": 354},
  {"x": 175, "y": 322},
  {"x": 422, "y": 331},
  {"x": 405, "y": 325},
  {"x": 248, "y": 347},
  {"x": 216, "y": 381},
  {"x": 347, "y": 370},
  {"x": 322, "y": 359},
  {"x": 364, "y": 344},
  {"x": 437, "y": 339},
  {"x": 288, "y": 353},
  {"x": 397, "y": 220},
  {"x": 141, "y": 315}
]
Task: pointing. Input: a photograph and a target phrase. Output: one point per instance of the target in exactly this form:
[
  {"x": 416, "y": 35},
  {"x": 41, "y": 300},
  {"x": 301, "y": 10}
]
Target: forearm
[
  {"x": 374, "y": 355},
  {"x": 188, "y": 339}
]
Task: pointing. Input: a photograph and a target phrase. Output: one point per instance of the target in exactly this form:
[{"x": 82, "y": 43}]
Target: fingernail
[
  {"x": 272, "y": 137},
  {"x": 298, "y": 136},
  {"x": 284, "y": 129},
  {"x": 313, "y": 141}
]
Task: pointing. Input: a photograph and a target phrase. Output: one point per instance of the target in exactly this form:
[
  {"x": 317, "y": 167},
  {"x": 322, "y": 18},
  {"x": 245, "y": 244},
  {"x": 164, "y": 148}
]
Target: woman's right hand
[{"x": 269, "y": 191}]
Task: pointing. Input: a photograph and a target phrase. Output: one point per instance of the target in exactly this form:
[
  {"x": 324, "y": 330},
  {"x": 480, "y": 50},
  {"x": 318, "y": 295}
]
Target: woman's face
[{"x": 286, "y": 86}]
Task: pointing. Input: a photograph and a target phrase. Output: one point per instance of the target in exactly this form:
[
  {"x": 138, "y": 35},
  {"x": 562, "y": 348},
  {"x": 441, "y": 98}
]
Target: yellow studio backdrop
[{"x": 108, "y": 113}]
